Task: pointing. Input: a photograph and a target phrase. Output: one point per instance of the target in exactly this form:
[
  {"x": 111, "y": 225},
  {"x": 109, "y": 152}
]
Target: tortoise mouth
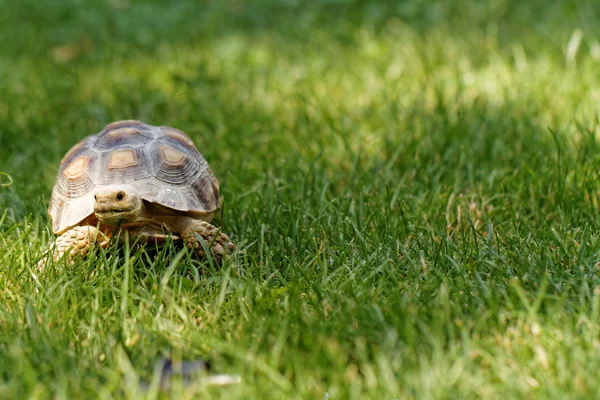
[
  {"x": 117, "y": 216},
  {"x": 112, "y": 210}
]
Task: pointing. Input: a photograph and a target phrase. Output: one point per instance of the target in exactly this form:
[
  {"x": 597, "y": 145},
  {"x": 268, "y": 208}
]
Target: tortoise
[{"x": 150, "y": 181}]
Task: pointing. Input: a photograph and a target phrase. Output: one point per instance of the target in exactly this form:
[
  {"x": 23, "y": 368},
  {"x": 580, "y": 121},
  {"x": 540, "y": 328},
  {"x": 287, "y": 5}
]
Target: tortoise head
[{"x": 117, "y": 204}]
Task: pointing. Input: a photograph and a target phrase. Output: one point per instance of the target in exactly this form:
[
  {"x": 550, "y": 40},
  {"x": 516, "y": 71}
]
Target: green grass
[{"x": 413, "y": 189}]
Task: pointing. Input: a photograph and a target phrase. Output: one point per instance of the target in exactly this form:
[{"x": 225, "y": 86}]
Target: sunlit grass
[{"x": 412, "y": 188}]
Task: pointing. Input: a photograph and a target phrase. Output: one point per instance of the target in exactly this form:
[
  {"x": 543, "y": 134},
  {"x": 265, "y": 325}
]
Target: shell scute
[
  {"x": 178, "y": 135},
  {"x": 172, "y": 157},
  {"x": 174, "y": 166},
  {"x": 125, "y": 123},
  {"x": 76, "y": 168},
  {"x": 122, "y": 159},
  {"x": 209, "y": 198},
  {"x": 73, "y": 179},
  {"x": 124, "y": 165},
  {"x": 121, "y": 136}
]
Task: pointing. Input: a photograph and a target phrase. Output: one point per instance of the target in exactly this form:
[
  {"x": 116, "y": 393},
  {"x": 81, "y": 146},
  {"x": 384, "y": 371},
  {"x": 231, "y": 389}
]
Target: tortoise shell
[{"x": 161, "y": 162}]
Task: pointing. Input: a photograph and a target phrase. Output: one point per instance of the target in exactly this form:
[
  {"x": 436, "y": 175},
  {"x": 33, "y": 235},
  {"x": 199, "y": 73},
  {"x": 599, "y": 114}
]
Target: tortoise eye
[
  {"x": 120, "y": 196},
  {"x": 95, "y": 197}
]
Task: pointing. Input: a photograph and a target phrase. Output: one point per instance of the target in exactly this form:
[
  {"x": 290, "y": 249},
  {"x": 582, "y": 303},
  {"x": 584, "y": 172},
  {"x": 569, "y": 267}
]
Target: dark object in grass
[
  {"x": 188, "y": 372},
  {"x": 148, "y": 181}
]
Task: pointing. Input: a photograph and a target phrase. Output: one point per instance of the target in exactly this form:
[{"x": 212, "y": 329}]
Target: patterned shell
[{"x": 161, "y": 162}]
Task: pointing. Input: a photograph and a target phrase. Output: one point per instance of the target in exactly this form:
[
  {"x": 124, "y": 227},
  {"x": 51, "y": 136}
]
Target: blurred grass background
[{"x": 412, "y": 185}]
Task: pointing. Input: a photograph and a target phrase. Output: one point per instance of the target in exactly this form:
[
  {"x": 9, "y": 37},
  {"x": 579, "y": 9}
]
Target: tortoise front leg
[
  {"x": 212, "y": 236},
  {"x": 76, "y": 242}
]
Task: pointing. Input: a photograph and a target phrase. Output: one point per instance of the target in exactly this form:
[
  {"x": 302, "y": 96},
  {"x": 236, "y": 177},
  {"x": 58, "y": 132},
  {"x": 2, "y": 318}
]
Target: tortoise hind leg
[
  {"x": 77, "y": 242},
  {"x": 212, "y": 236}
]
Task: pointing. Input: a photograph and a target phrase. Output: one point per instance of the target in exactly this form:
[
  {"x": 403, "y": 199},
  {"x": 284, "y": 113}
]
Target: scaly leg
[
  {"x": 211, "y": 235},
  {"x": 77, "y": 242}
]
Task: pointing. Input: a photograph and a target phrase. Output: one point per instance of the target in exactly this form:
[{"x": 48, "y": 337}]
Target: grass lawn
[{"x": 412, "y": 186}]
